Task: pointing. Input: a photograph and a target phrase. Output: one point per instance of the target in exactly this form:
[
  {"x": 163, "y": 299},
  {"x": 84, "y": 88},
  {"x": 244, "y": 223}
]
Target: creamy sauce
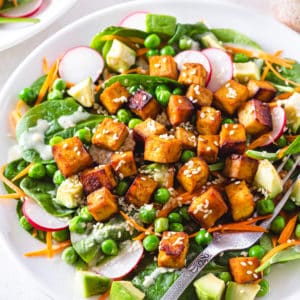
[
  {"x": 14, "y": 153},
  {"x": 150, "y": 279},
  {"x": 73, "y": 119}
]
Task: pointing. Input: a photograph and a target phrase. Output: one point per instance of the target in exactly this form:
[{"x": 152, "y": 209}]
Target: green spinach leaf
[{"x": 7, "y": 5}]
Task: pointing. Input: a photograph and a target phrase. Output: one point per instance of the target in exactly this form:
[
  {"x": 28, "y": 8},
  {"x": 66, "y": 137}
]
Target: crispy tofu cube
[
  {"x": 256, "y": 117},
  {"x": 93, "y": 179},
  {"x": 141, "y": 190},
  {"x": 162, "y": 149},
  {"x": 192, "y": 73},
  {"x": 71, "y": 157},
  {"x": 193, "y": 174},
  {"x": 261, "y": 90},
  {"x": 241, "y": 200},
  {"x": 110, "y": 134},
  {"x": 124, "y": 164},
  {"x": 243, "y": 269},
  {"x": 163, "y": 66},
  {"x": 230, "y": 96},
  {"x": 199, "y": 95},
  {"x": 232, "y": 139},
  {"x": 144, "y": 105},
  {"x": 208, "y": 147},
  {"x": 179, "y": 109},
  {"x": 173, "y": 249},
  {"x": 113, "y": 97},
  {"x": 208, "y": 207},
  {"x": 186, "y": 137},
  {"x": 208, "y": 120},
  {"x": 102, "y": 204},
  {"x": 240, "y": 167}
]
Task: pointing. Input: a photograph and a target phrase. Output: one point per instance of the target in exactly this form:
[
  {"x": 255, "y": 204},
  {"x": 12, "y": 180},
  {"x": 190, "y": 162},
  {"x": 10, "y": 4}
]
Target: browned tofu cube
[
  {"x": 208, "y": 147},
  {"x": 71, "y": 157},
  {"x": 199, "y": 95},
  {"x": 93, "y": 179},
  {"x": 193, "y": 174},
  {"x": 141, "y": 190},
  {"x": 241, "y": 200},
  {"x": 261, "y": 90},
  {"x": 193, "y": 73},
  {"x": 230, "y": 96},
  {"x": 208, "y": 120},
  {"x": 173, "y": 249},
  {"x": 162, "y": 149},
  {"x": 232, "y": 139},
  {"x": 208, "y": 207},
  {"x": 243, "y": 269},
  {"x": 240, "y": 167},
  {"x": 179, "y": 109},
  {"x": 110, "y": 134},
  {"x": 186, "y": 137},
  {"x": 163, "y": 66},
  {"x": 144, "y": 105},
  {"x": 113, "y": 97},
  {"x": 256, "y": 117},
  {"x": 124, "y": 164},
  {"x": 102, "y": 204}
]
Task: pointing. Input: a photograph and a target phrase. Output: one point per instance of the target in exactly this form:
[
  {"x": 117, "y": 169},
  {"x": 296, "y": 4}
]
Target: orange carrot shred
[
  {"x": 104, "y": 296},
  {"x": 274, "y": 240},
  {"x": 141, "y": 51},
  {"x": 288, "y": 230},
  {"x": 260, "y": 141},
  {"x": 267, "y": 69},
  {"x": 132, "y": 222},
  {"x": 55, "y": 250},
  {"x": 49, "y": 243},
  {"x": 281, "y": 152},
  {"x": 237, "y": 227},
  {"x": 23, "y": 172},
  {"x": 139, "y": 237},
  {"x": 9, "y": 183},
  {"x": 10, "y": 196},
  {"x": 45, "y": 65},
  {"x": 34, "y": 233}
]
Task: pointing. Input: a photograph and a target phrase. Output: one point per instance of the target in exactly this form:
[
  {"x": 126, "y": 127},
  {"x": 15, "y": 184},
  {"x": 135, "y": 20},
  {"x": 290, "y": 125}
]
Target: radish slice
[
  {"x": 79, "y": 63},
  {"x": 222, "y": 67},
  {"x": 24, "y": 10},
  {"x": 40, "y": 219},
  {"x": 136, "y": 20},
  {"x": 193, "y": 56},
  {"x": 127, "y": 259}
]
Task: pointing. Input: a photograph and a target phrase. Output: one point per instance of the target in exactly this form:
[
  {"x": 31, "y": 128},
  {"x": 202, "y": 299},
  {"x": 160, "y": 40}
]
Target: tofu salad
[{"x": 137, "y": 148}]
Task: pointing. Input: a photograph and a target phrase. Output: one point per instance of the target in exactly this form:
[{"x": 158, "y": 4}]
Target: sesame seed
[
  {"x": 193, "y": 72},
  {"x": 255, "y": 276},
  {"x": 208, "y": 148},
  {"x": 164, "y": 60},
  {"x": 65, "y": 146},
  {"x": 242, "y": 263},
  {"x": 231, "y": 132},
  {"x": 249, "y": 272},
  {"x": 156, "y": 65},
  {"x": 250, "y": 263}
]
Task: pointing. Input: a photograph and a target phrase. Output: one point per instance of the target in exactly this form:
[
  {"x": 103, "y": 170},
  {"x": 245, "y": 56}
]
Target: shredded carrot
[
  {"x": 237, "y": 227},
  {"x": 23, "y": 172},
  {"x": 291, "y": 138},
  {"x": 132, "y": 222},
  {"x": 141, "y": 51},
  {"x": 256, "y": 219},
  {"x": 104, "y": 296},
  {"x": 267, "y": 69},
  {"x": 10, "y": 196},
  {"x": 49, "y": 243},
  {"x": 297, "y": 89},
  {"x": 21, "y": 107},
  {"x": 288, "y": 230},
  {"x": 45, "y": 65},
  {"x": 55, "y": 250},
  {"x": 137, "y": 70},
  {"x": 274, "y": 240},
  {"x": 15, "y": 2},
  {"x": 281, "y": 152},
  {"x": 9, "y": 183},
  {"x": 283, "y": 96},
  {"x": 139, "y": 237}
]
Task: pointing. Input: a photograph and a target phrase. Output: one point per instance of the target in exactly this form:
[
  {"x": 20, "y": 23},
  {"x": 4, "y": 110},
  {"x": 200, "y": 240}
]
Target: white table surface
[{"x": 14, "y": 281}]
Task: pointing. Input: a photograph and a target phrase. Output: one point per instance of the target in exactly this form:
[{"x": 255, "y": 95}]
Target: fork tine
[{"x": 288, "y": 175}]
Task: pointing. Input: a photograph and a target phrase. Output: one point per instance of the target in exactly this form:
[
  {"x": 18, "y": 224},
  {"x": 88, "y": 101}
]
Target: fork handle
[{"x": 190, "y": 273}]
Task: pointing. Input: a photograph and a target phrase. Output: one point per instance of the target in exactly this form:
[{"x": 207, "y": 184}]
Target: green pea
[
  {"x": 61, "y": 235},
  {"x": 288, "y": 165},
  {"x": 167, "y": 50},
  {"x": 227, "y": 121},
  {"x": 22, "y": 165},
  {"x": 59, "y": 84},
  {"x": 225, "y": 276},
  {"x": 152, "y": 41},
  {"x": 84, "y": 135},
  {"x": 28, "y": 96},
  {"x": 289, "y": 206},
  {"x": 265, "y": 206},
  {"x": 187, "y": 155},
  {"x": 77, "y": 224},
  {"x": 151, "y": 242},
  {"x": 25, "y": 224},
  {"x": 177, "y": 91},
  {"x": 124, "y": 115},
  {"x": 147, "y": 214},
  {"x": 133, "y": 122},
  {"x": 278, "y": 224},
  {"x": 281, "y": 142},
  {"x": 240, "y": 58},
  {"x": 37, "y": 171},
  {"x": 69, "y": 256},
  {"x": 55, "y": 95},
  {"x": 185, "y": 43},
  {"x": 81, "y": 265},
  {"x": 109, "y": 247},
  {"x": 86, "y": 215},
  {"x": 176, "y": 227},
  {"x": 50, "y": 169},
  {"x": 162, "y": 195},
  {"x": 58, "y": 178},
  {"x": 203, "y": 237},
  {"x": 55, "y": 140},
  {"x": 297, "y": 231},
  {"x": 161, "y": 224},
  {"x": 163, "y": 98},
  {"x": 175, "y": 217},
  {"x": 121, "y": 188},
  {"x": 152, "y": 52},
  {"x": 183, "y": 211},
  {"x": 161, "y": 87},
  {"x": 264, "y": 288},
  {"x": 257, "y": 251},
  {"x": 132, "y": 89}
]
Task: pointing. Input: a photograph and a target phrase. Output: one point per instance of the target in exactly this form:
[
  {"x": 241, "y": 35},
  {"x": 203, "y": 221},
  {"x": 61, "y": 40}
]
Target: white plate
[
  {"x": 51, "y": 10},
  {"x": 56, "y": 277}
]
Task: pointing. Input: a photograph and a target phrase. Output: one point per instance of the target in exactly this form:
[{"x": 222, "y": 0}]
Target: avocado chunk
[
  {"x": 238, "y": 291},
  {"x": 292, "y": 111},
  {"x": 243, "y": 72},
  {"x": 209, "y": 287},
  {"x": 125, "y": 290},
  {"x": 209, "y": 40},
  {"x": 94, "y": 284},
  {"x": 295, "y": 195},
  {"x": 268, "y": 179},
  {"x": 83, "y": 92},
  {"x": 161, "y": 24}
]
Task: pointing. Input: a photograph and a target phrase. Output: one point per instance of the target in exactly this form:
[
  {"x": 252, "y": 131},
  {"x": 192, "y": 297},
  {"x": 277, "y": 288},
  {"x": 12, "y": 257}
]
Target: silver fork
[{"x": 224, "y": 242}]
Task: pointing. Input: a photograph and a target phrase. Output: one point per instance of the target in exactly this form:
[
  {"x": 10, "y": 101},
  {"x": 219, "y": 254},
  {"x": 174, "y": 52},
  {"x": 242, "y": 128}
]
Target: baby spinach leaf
[
  {"x": 294, "y": 147},
  {"x": 7, "y": 5}
]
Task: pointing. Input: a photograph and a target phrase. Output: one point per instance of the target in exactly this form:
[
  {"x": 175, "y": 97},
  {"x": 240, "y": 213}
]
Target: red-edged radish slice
[
  {"x": 136, "y": 20},
  {"x": 79, "y": 63},
  {"x": 222, "y": 67},
  {"x": 193, "y": 56},
  {"x": 40, "y": 219},
  {"x": 23, "y": 10},
  {"x": 127, "y": 259}
]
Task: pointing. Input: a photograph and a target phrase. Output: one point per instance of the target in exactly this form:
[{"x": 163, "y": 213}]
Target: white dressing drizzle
[{"x": 73, "y": 119}]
